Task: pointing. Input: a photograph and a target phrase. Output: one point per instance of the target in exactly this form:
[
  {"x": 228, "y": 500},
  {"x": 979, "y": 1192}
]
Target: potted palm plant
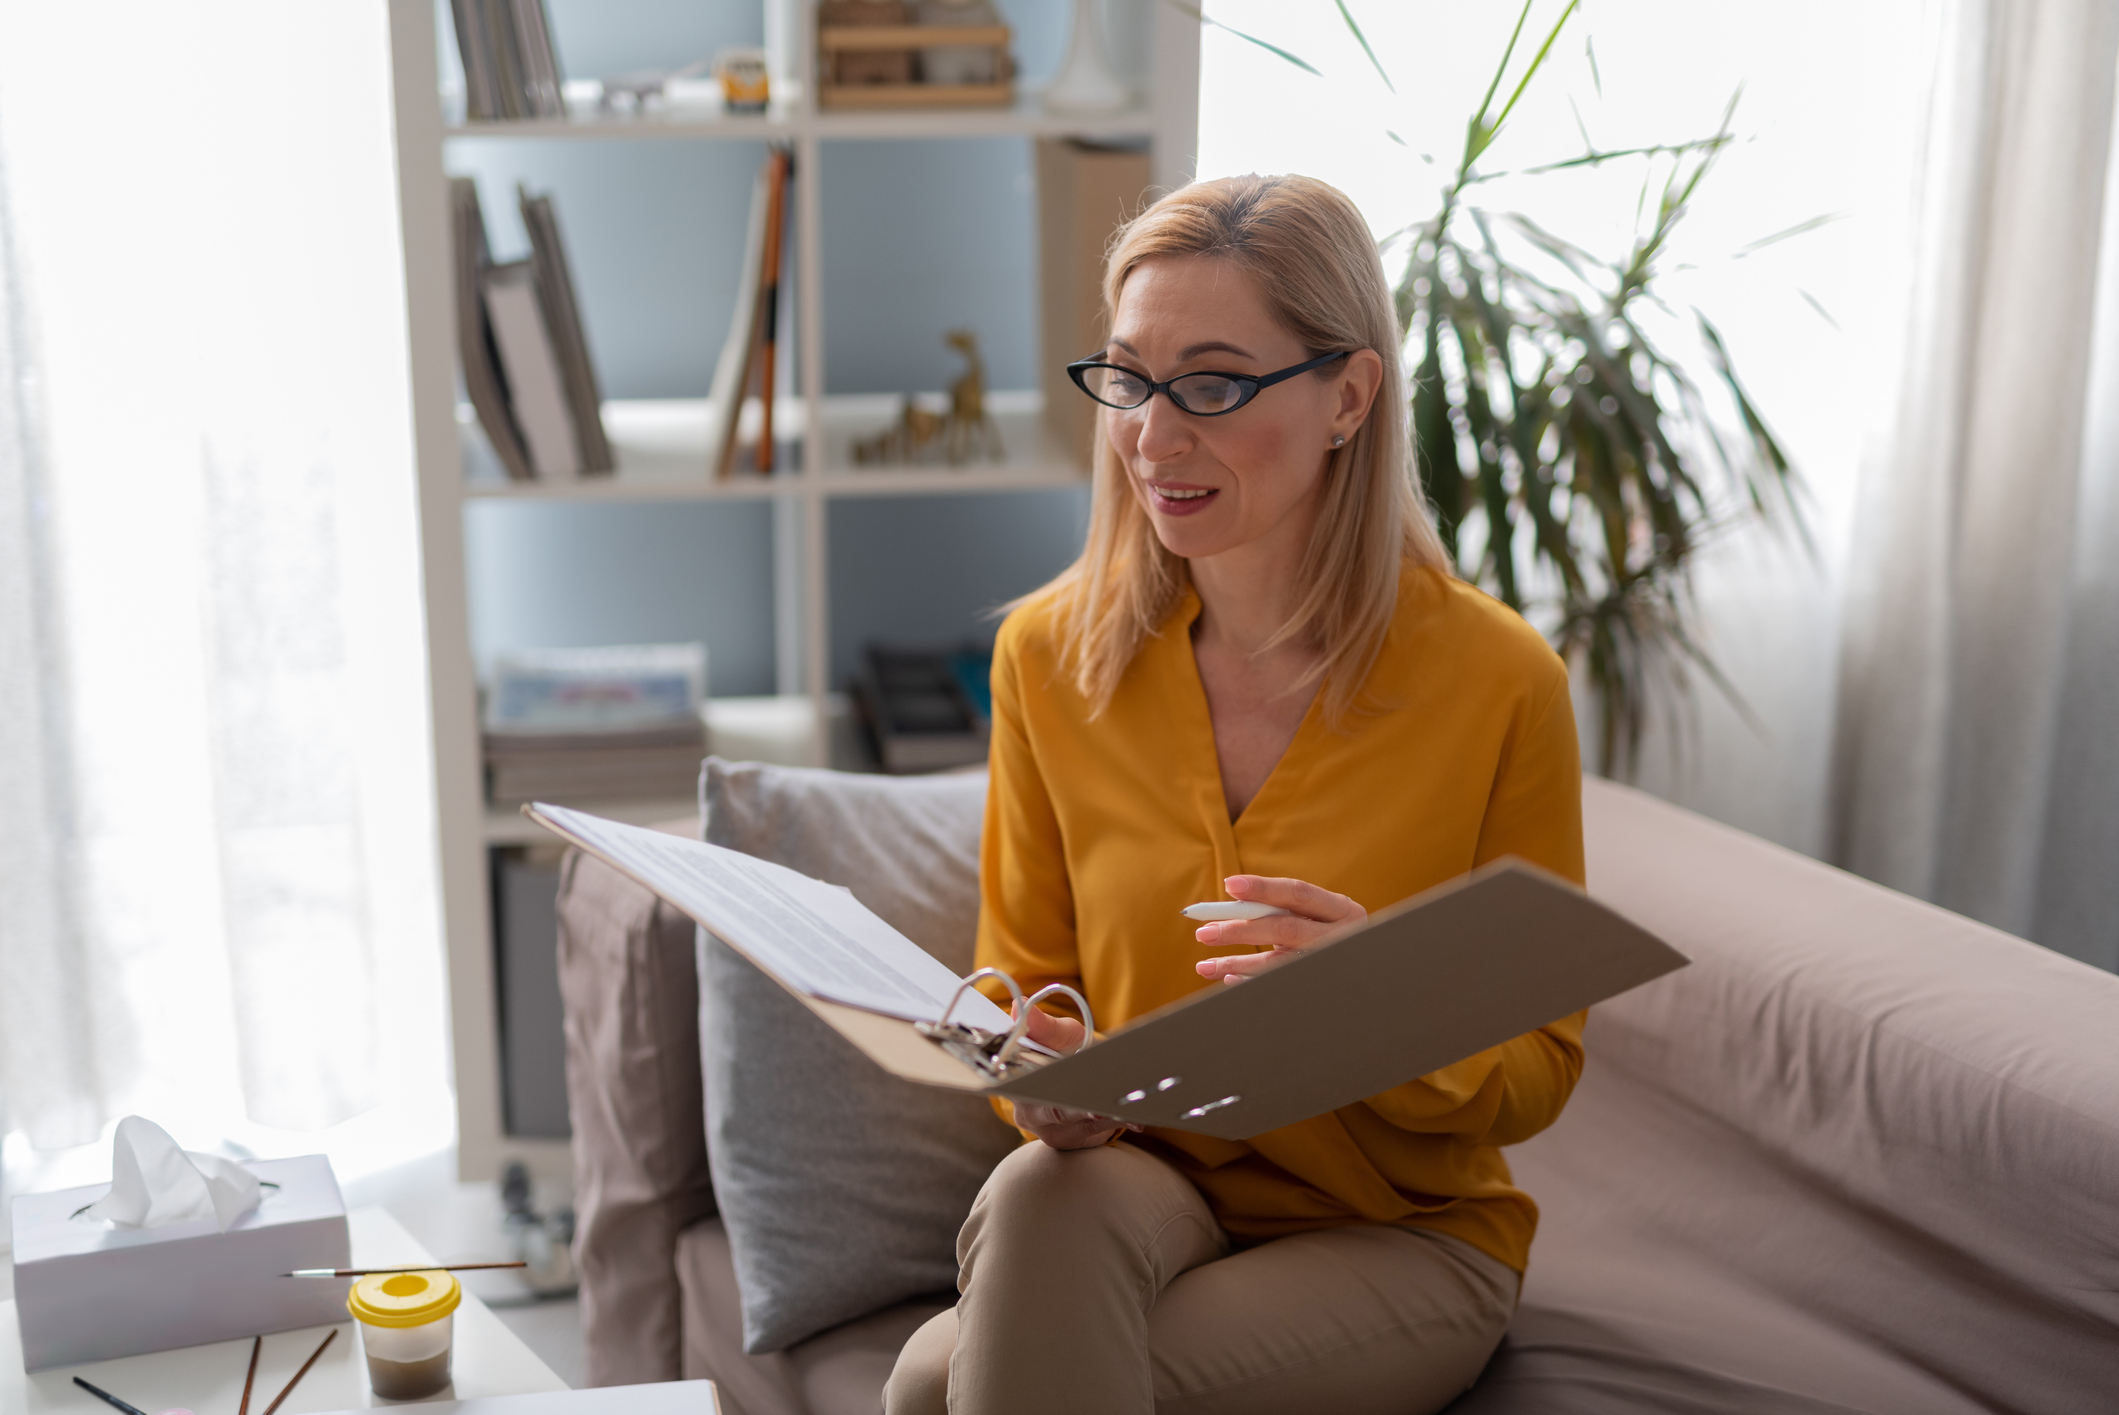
[{"x": 1577, "y": 469}]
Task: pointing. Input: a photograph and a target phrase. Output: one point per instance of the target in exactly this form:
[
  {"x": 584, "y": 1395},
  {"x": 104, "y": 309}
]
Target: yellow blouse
[{"x": 1099, "y": 830}]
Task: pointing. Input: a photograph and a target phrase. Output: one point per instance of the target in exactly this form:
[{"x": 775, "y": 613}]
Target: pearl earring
[{"x": 1338, "y": 442}]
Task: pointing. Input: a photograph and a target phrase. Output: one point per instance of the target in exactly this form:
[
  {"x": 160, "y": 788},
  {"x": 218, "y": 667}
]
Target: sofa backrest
[{"x": 1895, "y": 1128}]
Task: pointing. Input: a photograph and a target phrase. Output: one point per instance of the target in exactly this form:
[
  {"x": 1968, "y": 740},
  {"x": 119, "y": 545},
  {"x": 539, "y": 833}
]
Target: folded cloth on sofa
[
  {"x": 841, "y": 1186},
  {"x": 628, "y": 972}
]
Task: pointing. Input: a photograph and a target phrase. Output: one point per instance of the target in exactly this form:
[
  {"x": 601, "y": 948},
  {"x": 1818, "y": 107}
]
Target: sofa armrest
[{"x": 629, "y": 983}]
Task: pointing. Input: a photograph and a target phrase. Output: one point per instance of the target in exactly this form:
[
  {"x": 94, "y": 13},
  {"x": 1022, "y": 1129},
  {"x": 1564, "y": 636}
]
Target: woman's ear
[{"x": 1357, "y": 386}]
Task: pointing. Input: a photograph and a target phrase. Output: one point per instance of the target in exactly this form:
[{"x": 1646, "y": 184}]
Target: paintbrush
[
  {"x": 257, "y": 1344},
  {"x": 374, "y": 1272},
  {"x": 288, "y": 1389}
]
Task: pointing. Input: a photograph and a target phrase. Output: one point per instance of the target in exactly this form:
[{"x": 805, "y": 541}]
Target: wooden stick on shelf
[{"x": 769, "y": 303}]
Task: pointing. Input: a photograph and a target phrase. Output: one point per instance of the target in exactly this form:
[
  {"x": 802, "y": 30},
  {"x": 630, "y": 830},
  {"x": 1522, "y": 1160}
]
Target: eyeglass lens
[{"x": 1195, "y": 392}]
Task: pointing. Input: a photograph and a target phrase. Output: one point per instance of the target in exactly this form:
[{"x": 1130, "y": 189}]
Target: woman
[{"x": 1260, "y": 677}]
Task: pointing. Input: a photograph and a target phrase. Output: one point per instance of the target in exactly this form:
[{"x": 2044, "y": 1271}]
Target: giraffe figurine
[{"x": 968, "y": 425}]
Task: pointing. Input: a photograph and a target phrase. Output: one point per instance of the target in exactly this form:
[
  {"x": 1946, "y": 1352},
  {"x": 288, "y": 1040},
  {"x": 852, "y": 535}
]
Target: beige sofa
[{"x": 1863, "y": 1155}]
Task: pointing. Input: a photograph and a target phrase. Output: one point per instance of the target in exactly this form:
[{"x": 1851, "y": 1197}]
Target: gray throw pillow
[{"x": 842, "y": 1187}]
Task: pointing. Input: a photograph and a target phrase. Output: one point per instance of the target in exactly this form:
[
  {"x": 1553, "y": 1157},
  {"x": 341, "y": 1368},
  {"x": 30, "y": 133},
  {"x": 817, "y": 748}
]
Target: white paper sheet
[{"x": 815, "y": 937}]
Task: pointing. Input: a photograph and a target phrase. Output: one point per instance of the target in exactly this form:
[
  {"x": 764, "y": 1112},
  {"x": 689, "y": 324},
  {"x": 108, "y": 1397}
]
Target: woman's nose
[{"x": 1165, "y": 431}]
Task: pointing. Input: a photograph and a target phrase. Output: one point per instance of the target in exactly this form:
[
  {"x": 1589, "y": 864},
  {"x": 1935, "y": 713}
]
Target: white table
[{"x": 489, "y": 1359}]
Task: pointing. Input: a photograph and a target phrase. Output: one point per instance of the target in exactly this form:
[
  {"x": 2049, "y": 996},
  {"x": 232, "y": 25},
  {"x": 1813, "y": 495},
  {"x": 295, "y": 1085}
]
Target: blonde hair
[{"x": 1312, "y": 258}]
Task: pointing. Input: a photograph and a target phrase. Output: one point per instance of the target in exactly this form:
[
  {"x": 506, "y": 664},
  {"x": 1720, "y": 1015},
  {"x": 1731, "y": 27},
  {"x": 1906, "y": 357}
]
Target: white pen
[{"x": 1228, "y": 910}]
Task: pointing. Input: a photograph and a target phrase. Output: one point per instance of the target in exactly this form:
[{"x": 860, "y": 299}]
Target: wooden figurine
[
  {"x": 968, "y": 422},
  {"x": 963, "y": 429},
  {"x": 903, "y": 440}
]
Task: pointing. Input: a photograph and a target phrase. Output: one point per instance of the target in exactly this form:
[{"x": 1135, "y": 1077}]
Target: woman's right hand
[{"x": 1056, "y": 1125}]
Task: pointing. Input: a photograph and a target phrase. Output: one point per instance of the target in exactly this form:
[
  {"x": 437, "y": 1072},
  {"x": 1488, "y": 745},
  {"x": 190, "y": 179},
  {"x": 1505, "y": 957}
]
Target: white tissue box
[{"x": 88, "y": 1292}]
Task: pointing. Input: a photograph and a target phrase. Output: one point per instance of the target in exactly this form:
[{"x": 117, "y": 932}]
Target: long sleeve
[
  {"x": 1026, "y": 902},
  {"x": 1508, "y": 1093}
]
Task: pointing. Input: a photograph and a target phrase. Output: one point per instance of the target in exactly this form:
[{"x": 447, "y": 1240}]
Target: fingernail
[
  {"x": 1237, "y": 884},
  {"x": 1208, "y": 933}
]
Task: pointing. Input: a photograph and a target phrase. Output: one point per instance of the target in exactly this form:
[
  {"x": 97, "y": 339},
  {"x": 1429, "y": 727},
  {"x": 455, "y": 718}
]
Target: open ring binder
[
  {"x": 997, "y": 1055},
  {"x": 1421, "y": 984}
]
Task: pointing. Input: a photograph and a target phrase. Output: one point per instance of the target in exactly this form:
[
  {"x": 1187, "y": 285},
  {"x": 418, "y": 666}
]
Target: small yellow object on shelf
[{"x": 746, "y": 86}]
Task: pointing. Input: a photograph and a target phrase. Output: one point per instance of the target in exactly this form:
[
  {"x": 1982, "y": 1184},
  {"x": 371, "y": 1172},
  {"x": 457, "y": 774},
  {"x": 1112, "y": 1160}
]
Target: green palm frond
[{"x": 1576, "y": 469}]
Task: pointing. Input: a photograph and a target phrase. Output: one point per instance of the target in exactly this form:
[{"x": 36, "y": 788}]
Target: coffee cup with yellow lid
[{"x": 406, "y": 1323}]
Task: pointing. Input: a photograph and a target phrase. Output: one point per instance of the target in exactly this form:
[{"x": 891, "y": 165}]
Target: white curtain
[
  {"x": 1976, "y": 760},
  {"x": 217, "y": 894}
]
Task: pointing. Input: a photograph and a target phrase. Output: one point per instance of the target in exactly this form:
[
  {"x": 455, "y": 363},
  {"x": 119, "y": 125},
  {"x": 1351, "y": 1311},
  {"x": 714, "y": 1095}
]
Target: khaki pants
[{"x": 1096, "y": 1282}]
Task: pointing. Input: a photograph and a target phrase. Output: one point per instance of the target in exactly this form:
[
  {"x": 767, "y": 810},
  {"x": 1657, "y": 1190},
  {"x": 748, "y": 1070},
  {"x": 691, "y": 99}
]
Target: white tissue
[{"x": 153, "y": 1183}]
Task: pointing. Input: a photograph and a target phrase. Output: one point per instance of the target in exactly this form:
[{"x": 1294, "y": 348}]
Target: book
[
  {"x": 536, "y": 390},
  {"x": 499, "y": 29},
  {"x": 541, "y": 79},
  {"x": 511, "y": 66},
  {"x": 739, "y": 350},
  {"x": 1418, "y": 986},
  {"x": 562, "y": 322},
  {"x": 481, "y": 102},
  {"x": 628, "y": 687},
  {"x": 483, "y": 382},
  {"x": 578, "y": 772}
]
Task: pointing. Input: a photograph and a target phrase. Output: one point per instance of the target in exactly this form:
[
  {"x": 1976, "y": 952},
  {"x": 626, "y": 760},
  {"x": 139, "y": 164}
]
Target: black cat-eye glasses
[{"x": 1204, "y": 395}]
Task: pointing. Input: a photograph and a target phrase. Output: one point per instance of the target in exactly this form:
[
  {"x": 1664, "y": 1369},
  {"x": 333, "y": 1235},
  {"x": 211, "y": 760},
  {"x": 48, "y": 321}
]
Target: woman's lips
[{"x": 1177, "y": 499}]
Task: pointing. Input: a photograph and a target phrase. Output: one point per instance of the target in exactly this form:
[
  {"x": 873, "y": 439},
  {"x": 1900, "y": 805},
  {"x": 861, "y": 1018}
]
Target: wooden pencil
[{"x": 769, "y": 302}]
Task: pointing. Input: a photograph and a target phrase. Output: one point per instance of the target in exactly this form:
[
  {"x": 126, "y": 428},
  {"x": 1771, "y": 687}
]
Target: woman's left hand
[{"x": 1313, "y": 916}]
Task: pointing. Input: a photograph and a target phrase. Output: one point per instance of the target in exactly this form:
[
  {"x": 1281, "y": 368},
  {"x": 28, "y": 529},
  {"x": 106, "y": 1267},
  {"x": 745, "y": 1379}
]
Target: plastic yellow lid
[{"x": 405, "y": 1299}]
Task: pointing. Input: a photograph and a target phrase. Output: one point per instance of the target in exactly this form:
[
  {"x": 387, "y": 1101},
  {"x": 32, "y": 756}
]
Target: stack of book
[
  {"x": 511, "y": 69},
  {"x": 596, "y": 724},
  {"x": 525, "y": 356}
]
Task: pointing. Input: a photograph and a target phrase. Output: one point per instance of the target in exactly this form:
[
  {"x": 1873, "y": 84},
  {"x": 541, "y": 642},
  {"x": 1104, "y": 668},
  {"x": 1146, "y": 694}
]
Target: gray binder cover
[{"x": 1425, "y": 983}]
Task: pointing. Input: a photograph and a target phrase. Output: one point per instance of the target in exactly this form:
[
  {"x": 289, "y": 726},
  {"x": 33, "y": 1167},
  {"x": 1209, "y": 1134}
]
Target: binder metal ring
[
  {"x": 995, "y": 1054},
  {"x": 1015, "y": 990},
  {"x": 1013, "y": 1042}
]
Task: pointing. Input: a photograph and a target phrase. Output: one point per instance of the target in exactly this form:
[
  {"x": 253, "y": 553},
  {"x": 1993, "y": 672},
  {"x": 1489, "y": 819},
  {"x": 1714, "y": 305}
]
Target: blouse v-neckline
[{"x": 1214, "y": 800}]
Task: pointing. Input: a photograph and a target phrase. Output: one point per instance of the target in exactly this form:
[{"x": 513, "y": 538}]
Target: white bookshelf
[{"x": 661, "y": 447}]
